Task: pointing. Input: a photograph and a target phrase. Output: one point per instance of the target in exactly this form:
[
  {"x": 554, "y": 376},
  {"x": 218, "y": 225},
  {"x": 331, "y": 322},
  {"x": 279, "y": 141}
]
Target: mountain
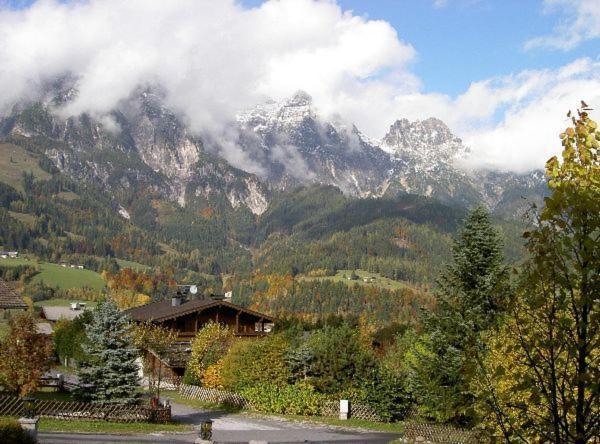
[
  {"x": 144, "y": 147},
  {"x": 141, "y": 147},
  {"x": 297, "y": 147},
  {"x": 294, "y": 145}
]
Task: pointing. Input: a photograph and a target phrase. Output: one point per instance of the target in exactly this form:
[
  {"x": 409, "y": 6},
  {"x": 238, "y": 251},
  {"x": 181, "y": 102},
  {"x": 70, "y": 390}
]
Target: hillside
[{"x": 59, "y": 209}]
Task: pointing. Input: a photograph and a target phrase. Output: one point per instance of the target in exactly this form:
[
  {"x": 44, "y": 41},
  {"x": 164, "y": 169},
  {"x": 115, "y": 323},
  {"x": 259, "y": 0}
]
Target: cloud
[
  {"x": 214, "y": 59},
  {"x": 579, "y": 21}
]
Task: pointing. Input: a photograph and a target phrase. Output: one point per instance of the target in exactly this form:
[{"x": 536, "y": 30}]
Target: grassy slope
[
  {"x": 11, "y": 171},
  {"x": 56, "y": 276},
  {"x": 133, "y": 265},
  {"x": 379, "y": 281},
  {"x": 27, "y": 219}
]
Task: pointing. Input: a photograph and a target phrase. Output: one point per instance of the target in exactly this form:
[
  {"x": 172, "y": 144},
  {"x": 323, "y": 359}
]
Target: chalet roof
[
  {"x": 163, "y": 310},
  {"x": 9, "y": 299},
  {"x": 56, "y": 313},
  {"x": 44, "y": 328}
]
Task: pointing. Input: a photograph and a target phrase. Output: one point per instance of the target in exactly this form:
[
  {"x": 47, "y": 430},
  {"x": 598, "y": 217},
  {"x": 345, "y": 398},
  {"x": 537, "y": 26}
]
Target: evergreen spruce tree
[
  {"x": 471, "y": 294},
  {"x": 110, "y": 375}
]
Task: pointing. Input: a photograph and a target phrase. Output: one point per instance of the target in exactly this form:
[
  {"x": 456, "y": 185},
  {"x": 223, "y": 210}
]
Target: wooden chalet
[{"x": 187, "y": 317}]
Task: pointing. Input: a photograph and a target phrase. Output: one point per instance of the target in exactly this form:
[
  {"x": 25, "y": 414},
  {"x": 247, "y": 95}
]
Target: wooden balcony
[{"x": 188, "y": 336}]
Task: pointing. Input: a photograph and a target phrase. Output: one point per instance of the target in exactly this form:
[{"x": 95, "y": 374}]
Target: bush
[
  {"x": 340, "y": 359},
  {"x": 39, "y": 291},
  {"x": 211, "y": 343},
  {"x": 70, "y": 336},
  {"x": 297, "y": 399},
  {"x": 387, "y": 394},
  {"x": 190, "y": 377},
  {"x": 253, "y": 362},
  {"x": 12, "y": 433}
]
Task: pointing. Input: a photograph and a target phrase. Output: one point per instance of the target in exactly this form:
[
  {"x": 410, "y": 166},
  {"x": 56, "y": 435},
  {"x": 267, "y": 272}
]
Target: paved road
[{"x": 233, "y": 428}]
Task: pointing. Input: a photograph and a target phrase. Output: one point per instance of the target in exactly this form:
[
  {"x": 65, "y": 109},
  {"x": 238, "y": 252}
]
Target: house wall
[{"x": 187, "y": 326}]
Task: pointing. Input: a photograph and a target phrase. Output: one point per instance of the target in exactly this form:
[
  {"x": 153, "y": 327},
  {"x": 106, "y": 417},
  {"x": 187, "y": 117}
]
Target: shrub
[
  {"x": 210, "y": 345},
  {"x": 253, "y": 362},
  {"x": 39, "y": 291},
  {"x": 339, "y": 358},
  {"x": 387, "y": 394},
  {"x": 69, "y": 337},
  {"x": 212, "y": 377},
  {"x": 11, "y": 432},
  {"x": 297, "y": 399},
  {"x": 190, "y": 377}
]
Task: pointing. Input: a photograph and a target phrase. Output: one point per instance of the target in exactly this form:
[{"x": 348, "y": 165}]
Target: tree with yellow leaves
[{"x": 542, "y": 379}]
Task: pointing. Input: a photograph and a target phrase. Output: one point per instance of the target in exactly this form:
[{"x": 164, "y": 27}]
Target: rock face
[
  {"x": 295, "y": 146},
  {"x": 145, "y": 147},
  {"x": 141, "y": 147}
]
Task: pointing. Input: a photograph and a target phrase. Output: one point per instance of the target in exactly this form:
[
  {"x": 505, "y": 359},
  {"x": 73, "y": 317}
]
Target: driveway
[{"x": 233, "y": 428}]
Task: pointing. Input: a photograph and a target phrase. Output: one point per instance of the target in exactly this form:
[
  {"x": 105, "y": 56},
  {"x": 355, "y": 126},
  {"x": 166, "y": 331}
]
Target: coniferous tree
[
  {"x": 471, "y": 295},
  {"x": 111, "y": 372}
]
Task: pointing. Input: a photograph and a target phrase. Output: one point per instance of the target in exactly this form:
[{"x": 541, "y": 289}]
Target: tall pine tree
[
  {"x": 471, "y": 294},
  {"x": 111, "y": 373}
]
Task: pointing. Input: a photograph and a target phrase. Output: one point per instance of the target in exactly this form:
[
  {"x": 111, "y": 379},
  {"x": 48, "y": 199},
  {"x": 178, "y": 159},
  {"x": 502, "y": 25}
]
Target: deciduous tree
[
  {"x": 554, "y": 333},
  {"x": 24, "y": 356}
]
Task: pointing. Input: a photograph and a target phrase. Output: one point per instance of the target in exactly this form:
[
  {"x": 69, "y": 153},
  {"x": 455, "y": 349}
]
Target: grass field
[
  {"x": 374, "y": 279},
  {"x": 27, "y": 219},
  {"x": 133, "y": 265},
  {"x": 14, "y": 160},
  {"x": 57, "y": 276},
  {"x": 86, "y": 426}
]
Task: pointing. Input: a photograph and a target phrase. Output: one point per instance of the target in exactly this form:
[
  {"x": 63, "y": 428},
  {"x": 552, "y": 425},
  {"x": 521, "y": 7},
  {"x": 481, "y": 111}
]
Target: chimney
[{"x": 176, "y": 301}]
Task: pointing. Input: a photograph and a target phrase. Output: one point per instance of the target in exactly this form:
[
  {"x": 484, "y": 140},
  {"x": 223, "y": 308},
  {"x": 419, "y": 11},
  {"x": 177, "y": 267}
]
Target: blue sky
[{"x": 469, "y": 40}]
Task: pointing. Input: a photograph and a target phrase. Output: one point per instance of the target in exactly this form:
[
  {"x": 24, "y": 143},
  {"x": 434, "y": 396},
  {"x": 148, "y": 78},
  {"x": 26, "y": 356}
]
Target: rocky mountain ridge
[{"x": 144, "y": 147}]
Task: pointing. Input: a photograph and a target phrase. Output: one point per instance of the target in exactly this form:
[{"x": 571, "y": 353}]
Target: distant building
[
  {"x": 44, "y": 328},
  {"x": 54, "y": 314}
]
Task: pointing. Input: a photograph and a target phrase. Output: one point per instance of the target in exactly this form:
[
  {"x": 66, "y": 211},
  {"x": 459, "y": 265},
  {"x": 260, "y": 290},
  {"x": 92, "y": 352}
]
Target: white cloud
[
  {"x": 579, "y": 20},
  {"x": 214, "y": 59}
]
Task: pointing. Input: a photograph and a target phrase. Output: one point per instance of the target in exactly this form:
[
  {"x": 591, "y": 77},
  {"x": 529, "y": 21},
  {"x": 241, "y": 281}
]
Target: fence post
[
  {"x": 61, "y": 382},
  {"x": 344, "y": 409},
  {"x": 30, "y": 426}
]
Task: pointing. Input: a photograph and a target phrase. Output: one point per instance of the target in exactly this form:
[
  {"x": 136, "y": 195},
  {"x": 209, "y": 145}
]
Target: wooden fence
[
  {"x": 13, "y": 406},
  {"x": 359, "y": 411},
  {"x": 422, "y": 432},
  {"x": 213, "y": 396}
]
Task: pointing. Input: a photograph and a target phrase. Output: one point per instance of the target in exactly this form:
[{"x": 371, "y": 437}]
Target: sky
[{"x": 501, "y": 73}]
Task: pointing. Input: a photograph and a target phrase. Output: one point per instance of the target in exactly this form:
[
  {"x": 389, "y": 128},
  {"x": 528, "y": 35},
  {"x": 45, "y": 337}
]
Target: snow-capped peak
[{"x": 428, "y": 140}]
